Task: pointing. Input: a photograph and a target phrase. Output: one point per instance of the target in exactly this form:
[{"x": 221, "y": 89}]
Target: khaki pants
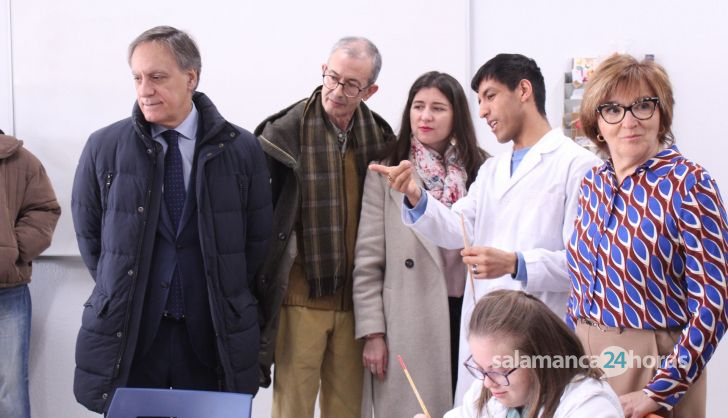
[
  {"x": 643, "y": 343},
  {"x": 315, "y": 346}
]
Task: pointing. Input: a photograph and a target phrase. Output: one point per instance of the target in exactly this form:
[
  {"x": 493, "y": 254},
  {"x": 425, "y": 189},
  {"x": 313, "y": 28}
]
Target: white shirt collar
[{"x": 187, "y": 129}]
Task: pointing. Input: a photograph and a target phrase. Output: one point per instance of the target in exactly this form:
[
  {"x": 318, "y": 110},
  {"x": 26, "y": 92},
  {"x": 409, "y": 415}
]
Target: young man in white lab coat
[{"x": 520, "y": 210}]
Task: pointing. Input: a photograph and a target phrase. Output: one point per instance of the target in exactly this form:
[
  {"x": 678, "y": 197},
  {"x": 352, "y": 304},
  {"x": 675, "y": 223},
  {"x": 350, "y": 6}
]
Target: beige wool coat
[{"x": 400, "y": 290}]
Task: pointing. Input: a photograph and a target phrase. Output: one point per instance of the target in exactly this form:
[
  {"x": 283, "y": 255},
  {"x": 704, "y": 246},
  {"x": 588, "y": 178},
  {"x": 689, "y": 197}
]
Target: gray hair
[
  {"x": 180, "y": 44},
  {"x": 361, "y": 47}
]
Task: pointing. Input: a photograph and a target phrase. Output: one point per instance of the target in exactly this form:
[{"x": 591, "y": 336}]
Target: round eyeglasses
[
  {"x": 350, "y": 90},
  {"x": 642, "y": 109},
  {"x": 500, "y": 379}
]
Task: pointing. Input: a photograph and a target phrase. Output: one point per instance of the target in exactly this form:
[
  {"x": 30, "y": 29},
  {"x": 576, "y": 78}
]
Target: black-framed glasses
[
  {"x": 500, "y": 379},
  {"x": 642, "y": 109},
  {"x": 350, "y": 89}
]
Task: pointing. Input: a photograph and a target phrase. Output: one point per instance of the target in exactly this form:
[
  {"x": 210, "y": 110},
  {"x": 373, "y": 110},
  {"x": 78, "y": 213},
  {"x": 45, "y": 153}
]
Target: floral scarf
[{"x": 443, "y": 176}]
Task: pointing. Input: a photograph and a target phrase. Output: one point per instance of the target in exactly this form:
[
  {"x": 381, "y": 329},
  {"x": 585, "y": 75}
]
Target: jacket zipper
[
  {"x": 132, "y": 287},
  {"x": 108, "y": 179},
  {"x": 211, "y": 283}
]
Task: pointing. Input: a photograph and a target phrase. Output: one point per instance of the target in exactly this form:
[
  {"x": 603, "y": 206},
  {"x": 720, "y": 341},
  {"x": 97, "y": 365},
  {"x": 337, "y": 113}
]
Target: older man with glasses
[{"x": 318, "y": 151}]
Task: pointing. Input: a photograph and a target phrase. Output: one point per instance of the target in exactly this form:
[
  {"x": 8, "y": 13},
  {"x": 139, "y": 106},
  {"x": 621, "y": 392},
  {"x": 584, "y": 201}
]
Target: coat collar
[
  {"x": 503, "y": 179},
  {"x": 209, "y": 125},
  {"x": 660, "y": 165}
]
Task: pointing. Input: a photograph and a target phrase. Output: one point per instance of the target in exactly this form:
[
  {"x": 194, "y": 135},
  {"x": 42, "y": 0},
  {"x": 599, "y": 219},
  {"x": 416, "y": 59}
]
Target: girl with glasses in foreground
[{"x": 509, "y": 330}]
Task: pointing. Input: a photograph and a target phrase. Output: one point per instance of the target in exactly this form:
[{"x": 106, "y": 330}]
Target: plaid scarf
[{"x": 322, "y": 190}]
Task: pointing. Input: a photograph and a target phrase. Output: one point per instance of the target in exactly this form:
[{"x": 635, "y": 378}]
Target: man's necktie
[{"x": 174, "y": 198}]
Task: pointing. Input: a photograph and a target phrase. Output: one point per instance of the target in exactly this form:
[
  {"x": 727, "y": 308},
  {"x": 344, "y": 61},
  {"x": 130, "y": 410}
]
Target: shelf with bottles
[{"x": 574, "y": 82}]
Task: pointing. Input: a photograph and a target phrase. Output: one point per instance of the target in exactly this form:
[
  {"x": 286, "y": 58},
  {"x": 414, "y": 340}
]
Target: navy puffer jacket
[{"x": 117, "y": 195}]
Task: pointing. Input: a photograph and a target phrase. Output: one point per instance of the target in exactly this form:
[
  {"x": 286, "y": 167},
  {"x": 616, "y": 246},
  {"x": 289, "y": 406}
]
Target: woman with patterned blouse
[{"x": 647, "y": 258}]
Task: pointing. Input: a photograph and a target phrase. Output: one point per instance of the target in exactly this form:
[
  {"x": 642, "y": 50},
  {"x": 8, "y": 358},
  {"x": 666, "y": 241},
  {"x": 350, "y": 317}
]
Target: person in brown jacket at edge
[{"x": 29, "y": 212}]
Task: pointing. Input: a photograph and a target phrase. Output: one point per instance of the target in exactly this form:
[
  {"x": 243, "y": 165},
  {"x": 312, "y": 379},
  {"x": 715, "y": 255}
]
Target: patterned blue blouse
[{"x": 651, "y": 254}]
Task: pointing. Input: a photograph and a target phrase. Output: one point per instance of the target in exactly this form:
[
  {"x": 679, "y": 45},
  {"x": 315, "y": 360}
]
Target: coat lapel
[
  {"x": 502, "y": 174},
  {"x": 529, "y": 162},
  {"x": 431, "y": 248}
]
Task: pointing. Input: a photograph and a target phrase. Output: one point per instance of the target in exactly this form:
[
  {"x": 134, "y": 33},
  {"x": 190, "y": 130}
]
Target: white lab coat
[
  {"x": 532, "y": 212},
  {"x": 584, "y": 397}
]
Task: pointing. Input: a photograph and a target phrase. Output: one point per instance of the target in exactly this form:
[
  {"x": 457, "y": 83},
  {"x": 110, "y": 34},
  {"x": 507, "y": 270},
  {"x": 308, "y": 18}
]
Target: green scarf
[{"x": 322, "y": 189}]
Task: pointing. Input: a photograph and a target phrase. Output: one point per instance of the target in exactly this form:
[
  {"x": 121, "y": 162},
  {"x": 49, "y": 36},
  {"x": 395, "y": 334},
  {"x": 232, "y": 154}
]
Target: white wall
[
  {"x": 6, "y": 77},
  {"x": 70, "y": 77}
]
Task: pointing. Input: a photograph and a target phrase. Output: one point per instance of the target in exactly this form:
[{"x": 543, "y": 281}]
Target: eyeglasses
[
  {"x": 500, "y": 379},
  {"x": 642, "y": 109},
  {"x": 350, "y": 89}
]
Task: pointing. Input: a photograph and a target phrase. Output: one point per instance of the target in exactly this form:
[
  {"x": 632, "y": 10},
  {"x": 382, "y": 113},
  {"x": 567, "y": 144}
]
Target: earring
[
  {"x": 600, "y": 138},
  {"x": 453, "y": 141}
]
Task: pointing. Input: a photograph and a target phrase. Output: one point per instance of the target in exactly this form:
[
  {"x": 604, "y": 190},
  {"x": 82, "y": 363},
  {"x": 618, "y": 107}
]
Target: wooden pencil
[
  {"x": 414, "y": 388},
  {"x": 466, "y": 245}
]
